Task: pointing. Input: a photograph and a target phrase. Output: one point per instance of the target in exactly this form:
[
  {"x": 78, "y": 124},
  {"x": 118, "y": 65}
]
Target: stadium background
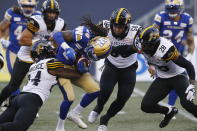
[{"x": 142, "y": 12}]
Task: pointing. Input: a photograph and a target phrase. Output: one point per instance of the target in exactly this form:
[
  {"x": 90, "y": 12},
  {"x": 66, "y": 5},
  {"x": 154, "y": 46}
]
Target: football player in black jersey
[{"x": 120, "y": 65}]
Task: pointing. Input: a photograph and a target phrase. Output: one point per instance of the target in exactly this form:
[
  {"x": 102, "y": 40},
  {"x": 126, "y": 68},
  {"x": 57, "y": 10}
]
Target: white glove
[
  {"x": 5, "y": 43},
  {"x": 190, "y": 92}
]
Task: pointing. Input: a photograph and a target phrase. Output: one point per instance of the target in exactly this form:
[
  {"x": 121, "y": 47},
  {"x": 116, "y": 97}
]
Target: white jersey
[
  {"x": 40, "y": 81},
  {"x": 119, "y": 60},
  {"x": 42, "y": 33},
  {"x": 164, "y": 69}
]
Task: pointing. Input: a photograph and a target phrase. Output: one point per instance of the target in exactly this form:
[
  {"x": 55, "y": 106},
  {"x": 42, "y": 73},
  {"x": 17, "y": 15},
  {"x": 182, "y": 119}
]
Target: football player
[
  {"x": 38, "y": 27},
  {"x": 42, "y": 75},
  {"x": 15, "y": 21},
  {"x": 176, "y": 25},
  {"x": 170, "y": 68},
  {"x": 120, "y": 65},
  {"x": 76, "y": 48}
]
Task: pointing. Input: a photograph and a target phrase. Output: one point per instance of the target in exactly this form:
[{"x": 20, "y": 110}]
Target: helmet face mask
[
  {"x": 27, "y": 7},
  {"x": 50, "y": 10},
  {"x": 174, "y": 7},
  {"x": 120, "y": 22}
]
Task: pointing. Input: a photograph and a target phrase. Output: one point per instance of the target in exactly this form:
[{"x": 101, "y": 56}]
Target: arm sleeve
[
  {"x": 182, "y": 62},
  {"x": 54, "y": 64},
  {"x": 32, "y": 26}
]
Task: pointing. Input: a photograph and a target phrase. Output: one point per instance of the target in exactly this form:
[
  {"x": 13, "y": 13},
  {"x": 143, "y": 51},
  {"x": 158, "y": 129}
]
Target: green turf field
[{"x": 131, "y": 117}]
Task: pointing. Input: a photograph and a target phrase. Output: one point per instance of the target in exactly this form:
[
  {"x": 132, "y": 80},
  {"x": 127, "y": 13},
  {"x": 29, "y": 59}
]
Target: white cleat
[
  {"x": 37, "y": 115},
  {"x": 102, "y": 128},
  {"x": 92, "y": 117},
  {"x": 76, "y": 119}
]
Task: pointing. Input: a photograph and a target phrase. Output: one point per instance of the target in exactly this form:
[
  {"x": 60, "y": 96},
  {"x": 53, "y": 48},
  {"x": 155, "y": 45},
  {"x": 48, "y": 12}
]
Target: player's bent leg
[{"x": 68, "y": 93}]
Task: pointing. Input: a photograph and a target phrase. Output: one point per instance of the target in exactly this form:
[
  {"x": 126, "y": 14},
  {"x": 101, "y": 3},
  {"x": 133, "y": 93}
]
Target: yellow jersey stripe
[{"x": 118, "y": 16}]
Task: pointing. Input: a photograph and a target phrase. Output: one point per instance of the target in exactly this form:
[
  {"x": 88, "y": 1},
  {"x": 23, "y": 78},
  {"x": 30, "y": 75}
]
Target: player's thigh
[
  {"x": 87, "y": 83},
  {"x": 157, "y": 91},
  {"x": 66, "y": 88}
]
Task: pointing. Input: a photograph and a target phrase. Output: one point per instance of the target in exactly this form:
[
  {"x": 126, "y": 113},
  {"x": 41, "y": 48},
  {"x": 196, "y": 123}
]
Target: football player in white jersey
[
  {"x": 41, "y": 77},
  {"x": 120, "y": 65},
  {"x": 170, "y": 68},
  {"x": 38, "y": 27}
]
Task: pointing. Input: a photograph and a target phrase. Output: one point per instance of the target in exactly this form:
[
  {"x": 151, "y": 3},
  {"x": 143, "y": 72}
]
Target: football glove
[
  {"x": 5, "y": 43},
  {"x": 70, "y": 54},
  {"x": 83, "y": 65},
  {"x": 190, "y": 92}
]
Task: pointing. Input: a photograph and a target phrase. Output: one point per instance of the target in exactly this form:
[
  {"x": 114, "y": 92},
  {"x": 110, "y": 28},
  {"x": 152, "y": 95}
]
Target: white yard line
[{"x": 181, "y": 112}]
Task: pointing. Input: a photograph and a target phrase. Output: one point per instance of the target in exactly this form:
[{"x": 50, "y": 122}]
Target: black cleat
[{"x": 168, "y": 117}]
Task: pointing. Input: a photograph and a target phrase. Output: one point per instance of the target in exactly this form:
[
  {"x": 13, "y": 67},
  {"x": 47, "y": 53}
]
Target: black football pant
[
  {"x": 126, "y": 79},
  {"x": 21, "y": 113},
  {"x": 160, "y": 88},
  {"x": 20, "y": 70}
]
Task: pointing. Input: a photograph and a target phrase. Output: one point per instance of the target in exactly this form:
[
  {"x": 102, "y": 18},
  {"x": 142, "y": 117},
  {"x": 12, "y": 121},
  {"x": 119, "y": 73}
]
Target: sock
[
  {"x": 78, "y": 109},
  {"x": 64, "y": 108},
  {"x": 88, "y": 98},
  {"x": 60, "y": 124},
  {"x": 172, "y": 98}
]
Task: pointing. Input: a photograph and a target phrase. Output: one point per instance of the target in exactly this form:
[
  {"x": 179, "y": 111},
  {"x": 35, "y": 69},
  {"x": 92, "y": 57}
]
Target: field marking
[{"x": 181, "y": 112}]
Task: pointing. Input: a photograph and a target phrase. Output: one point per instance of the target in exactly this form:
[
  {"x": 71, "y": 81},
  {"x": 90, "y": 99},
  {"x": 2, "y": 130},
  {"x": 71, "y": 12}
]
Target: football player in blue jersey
[
  {"x": 15, "y": 21},
  {"x": 176, "y": 25},
  {"x": 76, "y": 50}
]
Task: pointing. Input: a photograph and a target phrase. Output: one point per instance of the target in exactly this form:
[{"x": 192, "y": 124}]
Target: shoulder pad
[
  {"x": 32, "y": 25},
  {"x": 106, "y": 24},
  {"x": 158, "y": 18},
  {"x": 8, "y": 14},
  {"x": 171, "y": 54}
]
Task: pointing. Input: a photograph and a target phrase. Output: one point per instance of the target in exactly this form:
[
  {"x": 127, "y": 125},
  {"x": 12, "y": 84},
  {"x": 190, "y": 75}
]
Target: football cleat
[
  {"x": 168, "y": 117},
  {"x": 92, "y": 117},
  {"x": 102, "y": 128},
  {"x": 76, "y": 119}
]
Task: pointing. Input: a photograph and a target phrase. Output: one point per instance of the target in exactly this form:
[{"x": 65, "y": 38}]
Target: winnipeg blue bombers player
[
  {"x": 176, "y": 25},
  {"x": 171, "y": 70},
  {"x": 15, "y": 20},
  {"x": 41, "y": 77},
  {"x": 76, "y": 48},
  {"x": 38, "y": 27},
  {"x": 120, "y": 65}
]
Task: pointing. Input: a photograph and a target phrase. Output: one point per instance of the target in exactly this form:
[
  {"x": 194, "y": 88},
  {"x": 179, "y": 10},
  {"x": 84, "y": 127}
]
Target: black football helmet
[
  {"x": 120, "y": 18},
  {"x": 149, "y": 39},
  {"x": 50, "y": 6},
  {"x": 42, "y": 49}
]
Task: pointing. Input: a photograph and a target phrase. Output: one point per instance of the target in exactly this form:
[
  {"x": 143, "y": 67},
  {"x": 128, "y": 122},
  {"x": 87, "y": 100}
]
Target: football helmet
[
  {"x": 99, "y": 48},
  {"x": 27, "y": 7},
  {"x": 174, "y": 7},
  {"x": 42, "y": 49},
  {"x": 149, "y": 39},
  {"x": 50, "y": 10},
  {"x": 119, "y": 23}
]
